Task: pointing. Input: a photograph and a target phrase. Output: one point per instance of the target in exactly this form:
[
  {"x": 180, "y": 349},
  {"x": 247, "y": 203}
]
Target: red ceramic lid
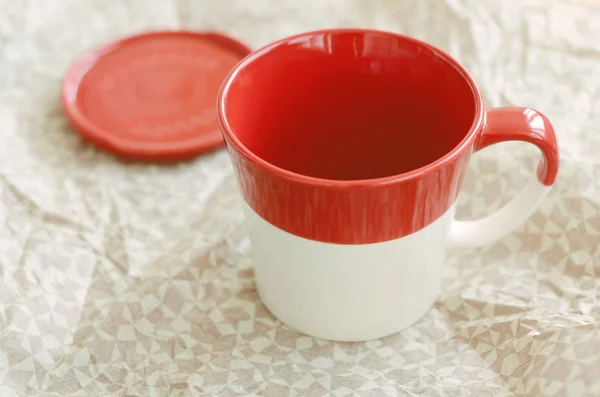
[{"x": 152, "y": 96}]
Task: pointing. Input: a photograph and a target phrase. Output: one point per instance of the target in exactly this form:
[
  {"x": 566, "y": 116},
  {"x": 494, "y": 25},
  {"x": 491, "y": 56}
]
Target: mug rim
[{"x": 231, "y": 137}]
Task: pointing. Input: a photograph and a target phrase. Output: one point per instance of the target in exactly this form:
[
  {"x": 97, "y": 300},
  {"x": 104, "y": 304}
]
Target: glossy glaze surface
[
  {"x": 387, "y": 168},
  {"x": 350, "y": 106}
]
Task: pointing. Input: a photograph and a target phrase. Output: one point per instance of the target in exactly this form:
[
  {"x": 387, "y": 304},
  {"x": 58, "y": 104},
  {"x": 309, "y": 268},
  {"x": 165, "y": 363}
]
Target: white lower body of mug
[{"x": 347, "y": 292}]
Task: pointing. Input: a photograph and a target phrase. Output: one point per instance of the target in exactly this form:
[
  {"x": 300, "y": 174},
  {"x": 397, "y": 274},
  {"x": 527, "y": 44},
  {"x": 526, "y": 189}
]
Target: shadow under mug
[{"x": 350, "y": 147}]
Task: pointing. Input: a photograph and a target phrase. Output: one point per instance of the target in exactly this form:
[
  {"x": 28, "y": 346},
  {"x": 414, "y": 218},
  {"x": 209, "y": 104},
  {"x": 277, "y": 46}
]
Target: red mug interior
[{"x": 349, "y": 105}]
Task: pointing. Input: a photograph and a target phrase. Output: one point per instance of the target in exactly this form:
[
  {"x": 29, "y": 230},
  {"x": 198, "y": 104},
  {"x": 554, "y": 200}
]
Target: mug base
[{"x": 350, "y": 335}]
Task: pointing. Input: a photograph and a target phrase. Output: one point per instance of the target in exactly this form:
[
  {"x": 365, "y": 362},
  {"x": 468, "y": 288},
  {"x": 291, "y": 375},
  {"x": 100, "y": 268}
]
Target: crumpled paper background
[{"x": 127, "y": 279}]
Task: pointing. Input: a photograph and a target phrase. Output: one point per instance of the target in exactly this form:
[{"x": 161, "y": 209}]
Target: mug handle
[{"x": 503, "y": 125}]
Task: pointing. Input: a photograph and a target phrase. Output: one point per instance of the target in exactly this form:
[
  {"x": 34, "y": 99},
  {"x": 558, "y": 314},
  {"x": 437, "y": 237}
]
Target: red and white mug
[{"x": 350, "y": 147}]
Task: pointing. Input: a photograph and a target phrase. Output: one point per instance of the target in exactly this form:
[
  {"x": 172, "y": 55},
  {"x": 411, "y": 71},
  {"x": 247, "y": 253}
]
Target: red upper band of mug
[{"x": 350, "y": 211}]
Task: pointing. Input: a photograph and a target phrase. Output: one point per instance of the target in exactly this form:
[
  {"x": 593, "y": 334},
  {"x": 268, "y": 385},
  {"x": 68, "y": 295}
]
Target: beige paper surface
[{"x": 124, "y": 279}]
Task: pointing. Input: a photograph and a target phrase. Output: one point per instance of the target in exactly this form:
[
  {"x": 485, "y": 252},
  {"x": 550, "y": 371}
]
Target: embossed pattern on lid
[{"x": 151, "y": 96}]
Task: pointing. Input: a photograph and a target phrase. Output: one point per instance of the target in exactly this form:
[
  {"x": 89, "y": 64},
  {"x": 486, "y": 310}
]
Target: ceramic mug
[{"x": 350, "y": 147}]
